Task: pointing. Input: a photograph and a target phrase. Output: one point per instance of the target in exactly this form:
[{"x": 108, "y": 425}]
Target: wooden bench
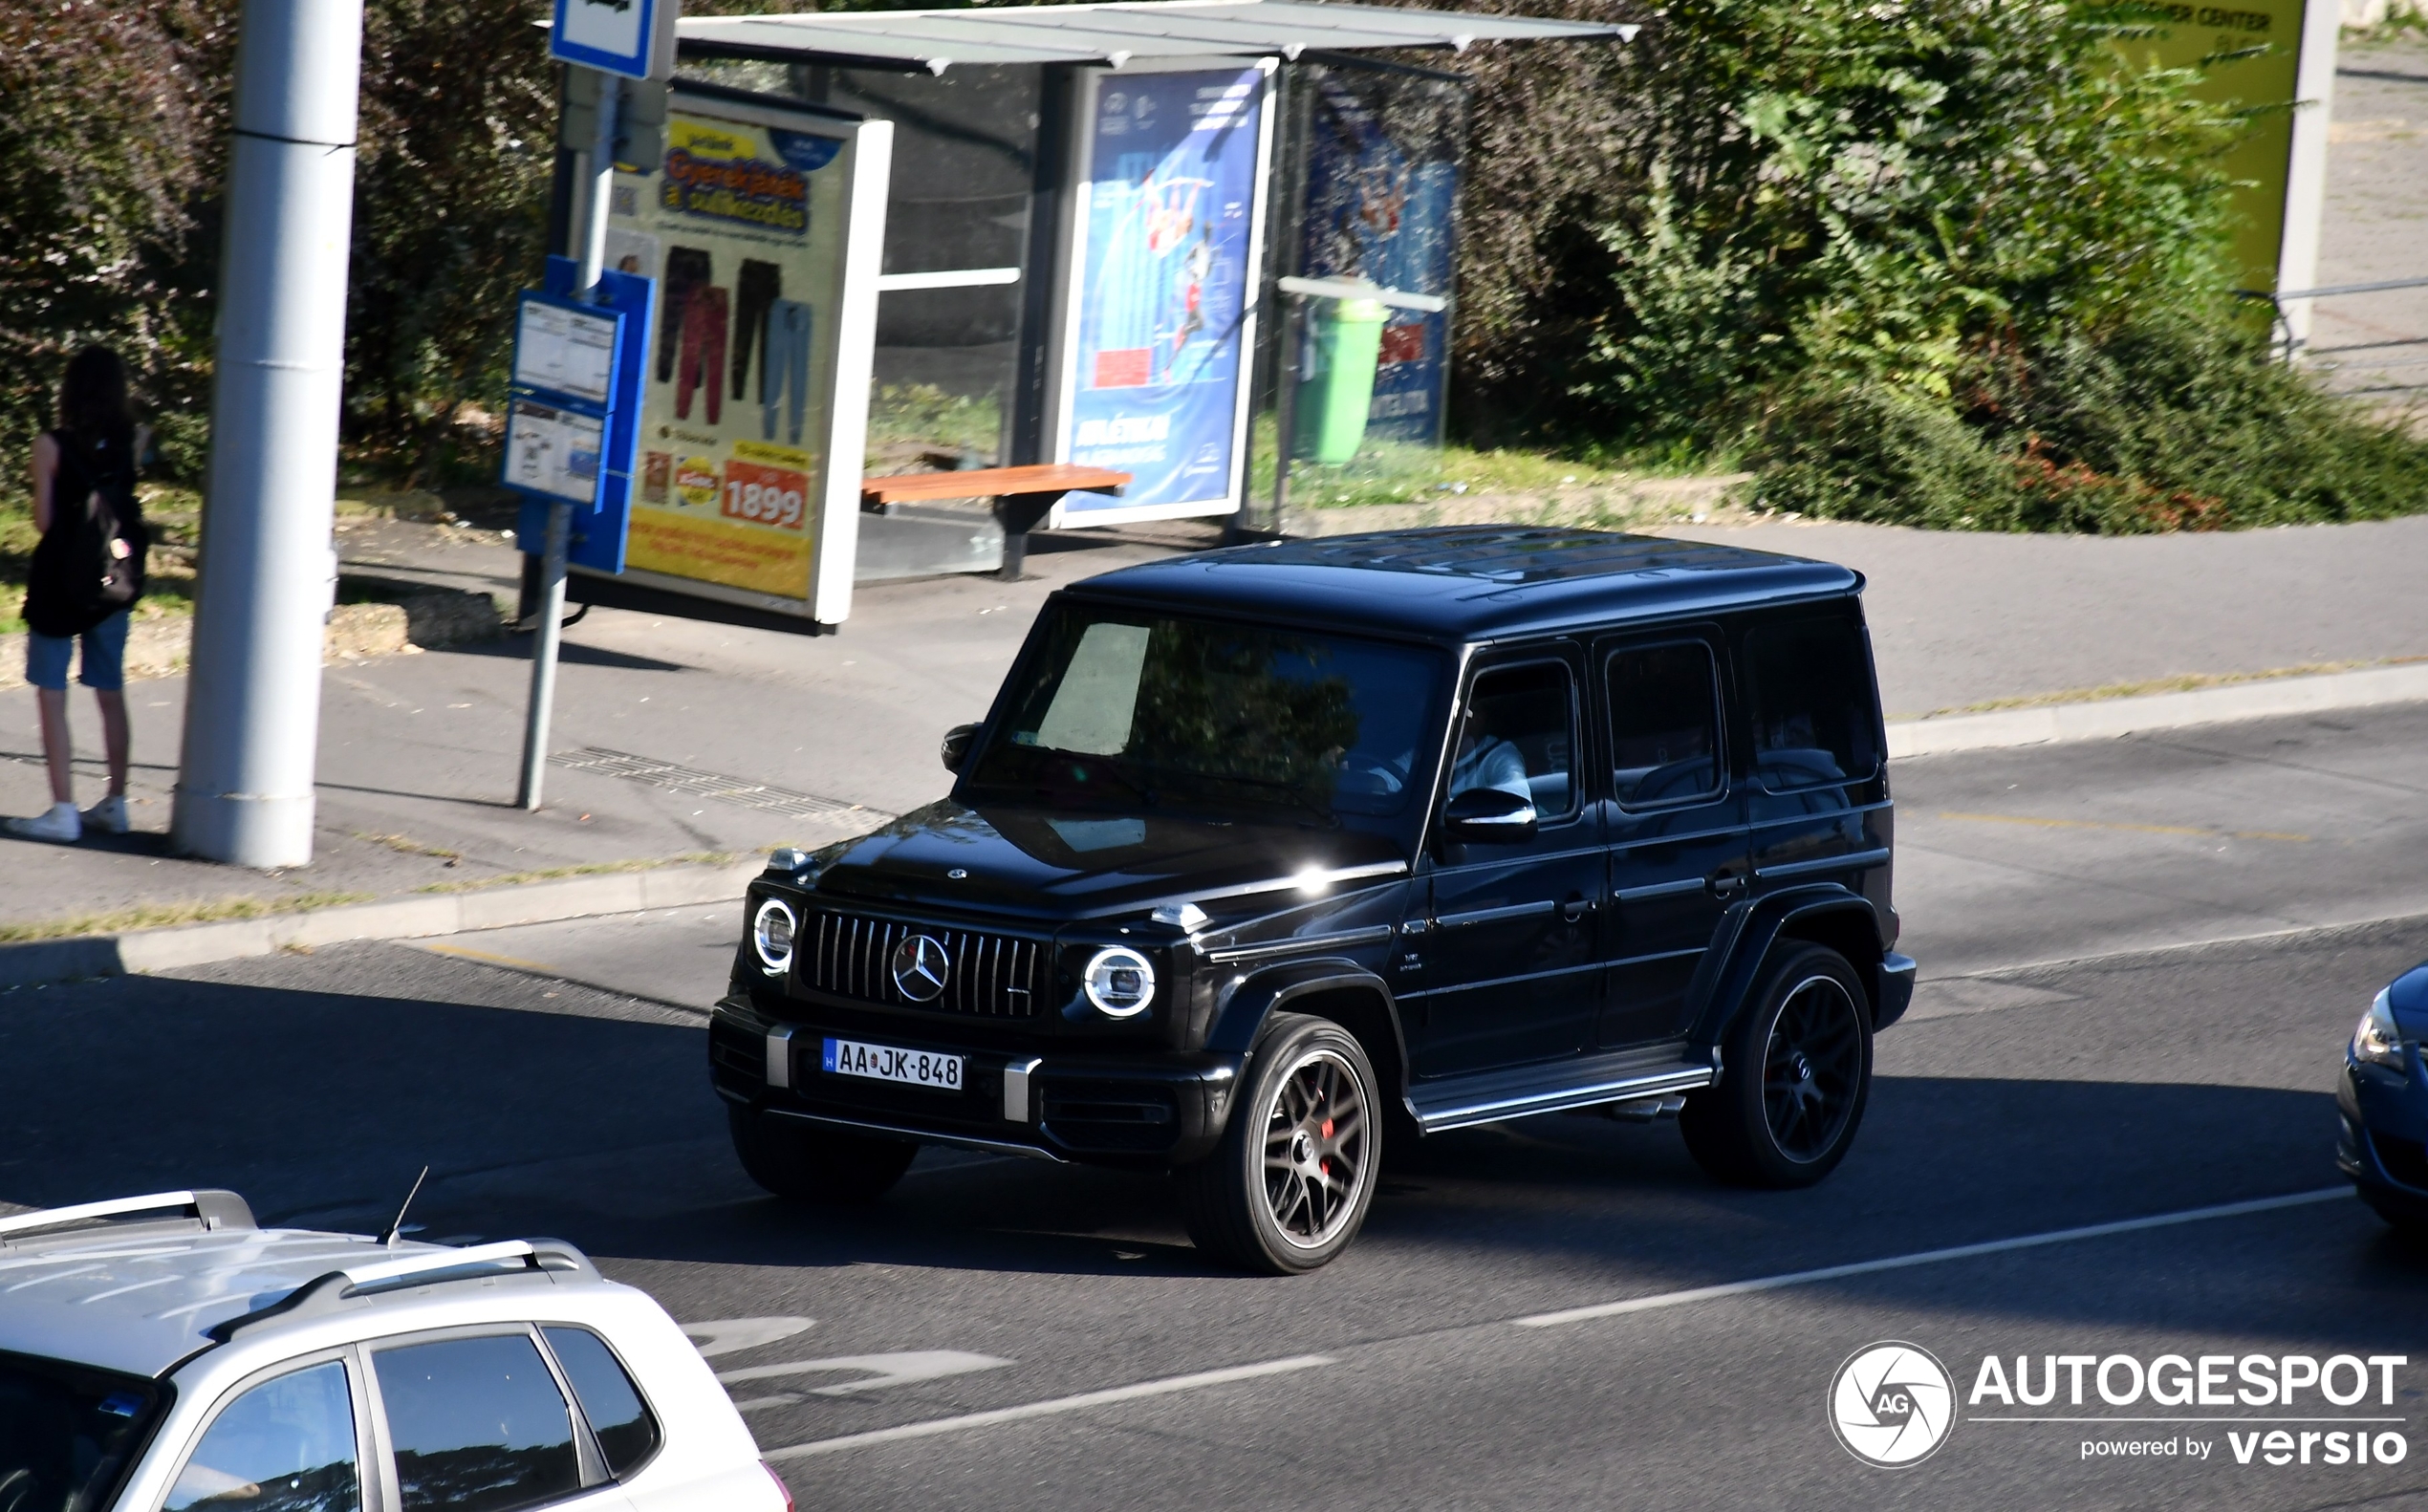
[{"x": 1022, "y": 496}]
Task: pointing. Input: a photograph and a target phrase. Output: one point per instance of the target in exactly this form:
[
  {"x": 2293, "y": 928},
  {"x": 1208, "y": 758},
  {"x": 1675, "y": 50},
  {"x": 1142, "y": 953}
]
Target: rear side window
[
  {"x": 1813, "y": 716},
  {"x": 1664, "y": 725},
  {"x": 627, "y": 1435},
  {"x": 478, "y": 1425}
]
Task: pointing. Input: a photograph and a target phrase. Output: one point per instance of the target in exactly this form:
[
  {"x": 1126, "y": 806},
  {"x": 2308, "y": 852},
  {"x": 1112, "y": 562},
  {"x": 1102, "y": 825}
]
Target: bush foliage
[
  {"x": 1923, "y": 260},
  {"x": 112, "y": 158}
]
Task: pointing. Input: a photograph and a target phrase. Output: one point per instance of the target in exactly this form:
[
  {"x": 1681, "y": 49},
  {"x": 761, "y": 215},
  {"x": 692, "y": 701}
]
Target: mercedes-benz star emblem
[{"x": 920, "y": 968}]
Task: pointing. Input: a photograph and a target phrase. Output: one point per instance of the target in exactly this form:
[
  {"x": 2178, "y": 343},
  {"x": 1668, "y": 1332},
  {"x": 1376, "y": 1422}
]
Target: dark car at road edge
[
  {"x": 2382, "y": 1136},
  {"x": 1267, "y": 857}
]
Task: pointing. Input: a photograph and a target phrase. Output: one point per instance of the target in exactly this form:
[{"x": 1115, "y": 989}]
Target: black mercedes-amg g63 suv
[{"x": 1269, "y": 857}]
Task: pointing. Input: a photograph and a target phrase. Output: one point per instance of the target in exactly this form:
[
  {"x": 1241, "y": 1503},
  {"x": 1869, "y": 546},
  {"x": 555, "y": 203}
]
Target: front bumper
[
  {"x": 2381, "y": 1137},
  {"x": 1151, "y": 1108}
]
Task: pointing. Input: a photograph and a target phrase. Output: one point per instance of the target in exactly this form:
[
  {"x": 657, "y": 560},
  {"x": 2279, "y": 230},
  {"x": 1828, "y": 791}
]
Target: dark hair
[{"x": 94, "y": 408}]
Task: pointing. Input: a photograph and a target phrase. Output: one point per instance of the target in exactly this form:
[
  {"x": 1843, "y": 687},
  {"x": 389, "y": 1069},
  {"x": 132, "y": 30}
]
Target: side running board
[{"x": 1458, "y": 1102}]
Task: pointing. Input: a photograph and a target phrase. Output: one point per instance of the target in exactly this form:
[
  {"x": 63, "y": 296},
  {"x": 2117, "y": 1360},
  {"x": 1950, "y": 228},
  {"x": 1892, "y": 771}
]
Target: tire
[
  {"x": 1272, "y": 1198},
  {"x": 1795, "y": 1073},
  {"x": 803, "y": 1162}
]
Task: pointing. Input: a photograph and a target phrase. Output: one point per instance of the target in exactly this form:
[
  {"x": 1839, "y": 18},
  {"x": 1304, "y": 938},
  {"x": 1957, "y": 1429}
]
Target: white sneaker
[
  {"x": 60, "y": 821},
  {"x": 108, "y": 817}
]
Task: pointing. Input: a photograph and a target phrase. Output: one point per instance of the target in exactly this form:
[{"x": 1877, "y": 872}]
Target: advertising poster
[
  {"x": 1382, "y": 185},
  {"x": 1164, "y": 266},
  {"x": 743, "y": 224}
]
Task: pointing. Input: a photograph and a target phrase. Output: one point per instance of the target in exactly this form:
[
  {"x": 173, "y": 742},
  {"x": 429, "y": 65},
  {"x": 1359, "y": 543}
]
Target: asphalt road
[{"x": 2021, "y": 1101}]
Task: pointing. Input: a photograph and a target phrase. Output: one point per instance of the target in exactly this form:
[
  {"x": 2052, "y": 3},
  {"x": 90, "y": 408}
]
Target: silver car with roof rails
[{"x": 166, "y": 1352}]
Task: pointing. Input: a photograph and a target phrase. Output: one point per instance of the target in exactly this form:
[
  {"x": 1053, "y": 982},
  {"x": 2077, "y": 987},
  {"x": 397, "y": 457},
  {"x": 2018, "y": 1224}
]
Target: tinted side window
[
  {"x": 627, "y": 1435},
  {"x": 478, "y": 1424},
  {"x": 286, "y": 1445},
  {"x": 1813, "y": 703},
  {"x": 1664, "y": 725},
  {"x": 1519, "y": 737}
]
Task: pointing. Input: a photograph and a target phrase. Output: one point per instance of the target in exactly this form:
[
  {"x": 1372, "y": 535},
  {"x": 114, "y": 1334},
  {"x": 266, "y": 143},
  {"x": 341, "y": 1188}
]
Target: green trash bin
[{"x": 1332, "y": 401}]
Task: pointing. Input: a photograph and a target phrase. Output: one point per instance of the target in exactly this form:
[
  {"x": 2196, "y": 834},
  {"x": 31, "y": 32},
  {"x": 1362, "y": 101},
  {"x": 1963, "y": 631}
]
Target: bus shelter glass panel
[
  {"x": 1374, "y": 167},
  {"x": 949, "y": 324}
]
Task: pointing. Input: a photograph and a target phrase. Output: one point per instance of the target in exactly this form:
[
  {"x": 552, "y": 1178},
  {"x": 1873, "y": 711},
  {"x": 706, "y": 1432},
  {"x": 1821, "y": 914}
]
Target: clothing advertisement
[
  {"x": 744, "y": 224},
  {"x": 1383, "y": 152},
  {"x": 1165, "y": 268}
]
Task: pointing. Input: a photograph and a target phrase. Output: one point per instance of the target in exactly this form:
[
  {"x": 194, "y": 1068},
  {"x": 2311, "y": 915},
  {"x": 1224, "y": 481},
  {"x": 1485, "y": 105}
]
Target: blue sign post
[
  {"x": 599, "y": 518},
  {"x": 566, "y": 457}
]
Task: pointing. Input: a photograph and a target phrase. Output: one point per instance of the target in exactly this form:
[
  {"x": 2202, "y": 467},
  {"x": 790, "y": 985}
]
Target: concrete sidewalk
[{"x": 701, "y": 745}]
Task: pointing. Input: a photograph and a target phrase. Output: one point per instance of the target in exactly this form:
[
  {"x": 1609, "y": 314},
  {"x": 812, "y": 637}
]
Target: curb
[
  {"x": 45, "y": 961},
  {"x": 2106, "y": 718}
]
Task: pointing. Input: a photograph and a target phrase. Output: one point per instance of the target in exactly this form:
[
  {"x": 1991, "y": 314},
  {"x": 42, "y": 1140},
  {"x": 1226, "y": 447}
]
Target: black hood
[{"x": 1066, "y": 865}]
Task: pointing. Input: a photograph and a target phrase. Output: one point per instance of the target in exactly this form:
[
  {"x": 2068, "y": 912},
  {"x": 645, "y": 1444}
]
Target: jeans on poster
[
  {"x": 756, "y": 289},
  {"x": 786, "y": 376},
  {"x": 686, "y": 271},
  {"x": 702, "y": 361}
]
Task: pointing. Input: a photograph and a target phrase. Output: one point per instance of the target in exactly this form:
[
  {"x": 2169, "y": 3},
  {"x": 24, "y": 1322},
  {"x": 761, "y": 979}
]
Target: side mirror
[
  {"x": 956, "y": 747},
  {"x": 1490, "y": 817}
]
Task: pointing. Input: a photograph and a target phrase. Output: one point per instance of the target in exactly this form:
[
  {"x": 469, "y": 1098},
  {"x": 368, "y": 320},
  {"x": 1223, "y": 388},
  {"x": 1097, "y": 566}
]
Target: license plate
[{"x": 885, "y": 1063}]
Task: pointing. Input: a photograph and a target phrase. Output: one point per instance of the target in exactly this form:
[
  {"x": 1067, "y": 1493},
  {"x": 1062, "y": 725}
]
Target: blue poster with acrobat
[{"x": 1162, "y": 288}]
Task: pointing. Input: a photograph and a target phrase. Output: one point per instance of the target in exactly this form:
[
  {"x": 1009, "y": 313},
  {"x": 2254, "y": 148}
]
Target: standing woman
[{"x": 87, "y": 574}]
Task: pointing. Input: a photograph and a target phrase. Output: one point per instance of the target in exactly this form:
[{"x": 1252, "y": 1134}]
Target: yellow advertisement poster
[
  {"x": 2249, "y": 55},
  {"x": 743, "y": 222}
]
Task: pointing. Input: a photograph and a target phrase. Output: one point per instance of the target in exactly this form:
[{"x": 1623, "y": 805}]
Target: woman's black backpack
[{"x": 89, "y": 564}]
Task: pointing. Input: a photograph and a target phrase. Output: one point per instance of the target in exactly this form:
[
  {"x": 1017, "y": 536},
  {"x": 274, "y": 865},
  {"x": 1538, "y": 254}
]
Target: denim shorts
[{"x": 104, "y": 663}]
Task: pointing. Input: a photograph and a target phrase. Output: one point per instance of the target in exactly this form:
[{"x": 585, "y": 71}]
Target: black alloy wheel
[
  {"x": 806, "y": 1162},
  {"x": 1795, "y": 1073},
  {"x": 1289, "y": 1183}
]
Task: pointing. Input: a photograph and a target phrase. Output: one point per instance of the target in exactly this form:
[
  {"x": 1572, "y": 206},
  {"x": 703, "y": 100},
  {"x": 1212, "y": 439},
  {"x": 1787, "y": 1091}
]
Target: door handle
[
  {"x": 1576, "y": 907},
  {"x": 1725, "y": 884}
]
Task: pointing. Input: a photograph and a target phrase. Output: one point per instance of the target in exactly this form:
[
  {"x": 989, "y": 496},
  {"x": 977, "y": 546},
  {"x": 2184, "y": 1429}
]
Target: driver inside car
[{"x": 1487, "y": 761}]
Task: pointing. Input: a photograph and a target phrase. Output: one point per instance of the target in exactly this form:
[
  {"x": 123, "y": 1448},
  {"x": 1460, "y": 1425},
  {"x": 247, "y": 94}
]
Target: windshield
[
  {"x": 66, "y": 1433},
  {"x": 1124, "y": 710}
]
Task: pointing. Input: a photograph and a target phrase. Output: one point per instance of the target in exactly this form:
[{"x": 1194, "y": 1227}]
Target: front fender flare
[{"x": 1240, "y": 1016}]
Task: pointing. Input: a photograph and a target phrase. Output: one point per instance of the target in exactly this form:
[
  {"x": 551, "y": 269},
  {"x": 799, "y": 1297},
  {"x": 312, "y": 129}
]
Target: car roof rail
[
  {"x": 327, "y": 1292},
  {"x": 211, "y": 1207}
]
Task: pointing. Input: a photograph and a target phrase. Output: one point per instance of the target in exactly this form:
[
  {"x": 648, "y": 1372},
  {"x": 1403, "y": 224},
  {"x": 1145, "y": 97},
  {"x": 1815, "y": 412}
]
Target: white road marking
[
  {"x": 1045, "y": 1409},
  {"x": 730, "y": 1336},
  {"x": 898, "y": 1368},
  {"x": 1928, "y": 1257}
]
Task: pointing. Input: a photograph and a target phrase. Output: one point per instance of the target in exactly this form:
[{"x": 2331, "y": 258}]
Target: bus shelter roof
[{"x": 1114, "y": 34}]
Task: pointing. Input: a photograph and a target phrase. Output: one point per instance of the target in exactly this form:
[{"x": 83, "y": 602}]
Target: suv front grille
[{"x": 993, "y": 976}]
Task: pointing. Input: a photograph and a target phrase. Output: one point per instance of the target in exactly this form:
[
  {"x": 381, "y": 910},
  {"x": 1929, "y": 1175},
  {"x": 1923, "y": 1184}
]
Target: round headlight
[
  {"x": 1121, "y": 983},
  {"x": 771, "y": 936}
]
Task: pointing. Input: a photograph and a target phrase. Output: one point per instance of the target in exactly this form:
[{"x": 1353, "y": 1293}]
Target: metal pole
[
  {"x": 253, "y": 712},
  {"x": 560, "y": 514}
]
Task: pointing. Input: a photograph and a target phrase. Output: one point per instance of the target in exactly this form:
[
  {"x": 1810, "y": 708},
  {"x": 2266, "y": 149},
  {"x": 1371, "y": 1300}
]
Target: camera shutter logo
[
  {"x": 1892, "y": 1404},
  {"x": 920, "y": 968}
]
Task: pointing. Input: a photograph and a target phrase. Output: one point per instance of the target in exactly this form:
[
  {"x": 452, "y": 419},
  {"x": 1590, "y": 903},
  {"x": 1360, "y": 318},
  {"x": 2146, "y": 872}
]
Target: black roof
[{"x": 1474, "y": 583}]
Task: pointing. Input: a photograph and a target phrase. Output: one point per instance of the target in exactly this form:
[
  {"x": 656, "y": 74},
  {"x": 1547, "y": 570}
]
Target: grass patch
[
  {"x": 2184, "y": 682},
  {"x": 473, "y": 884},
  {"x": 1409, "y": 472},
  {"x": 406, "y": 845},
  {"x": 164, "y": 916}
]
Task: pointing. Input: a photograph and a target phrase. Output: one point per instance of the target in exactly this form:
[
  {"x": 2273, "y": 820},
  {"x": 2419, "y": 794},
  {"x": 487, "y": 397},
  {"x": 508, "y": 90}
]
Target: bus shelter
[{"x": 1097, "y": 239}]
